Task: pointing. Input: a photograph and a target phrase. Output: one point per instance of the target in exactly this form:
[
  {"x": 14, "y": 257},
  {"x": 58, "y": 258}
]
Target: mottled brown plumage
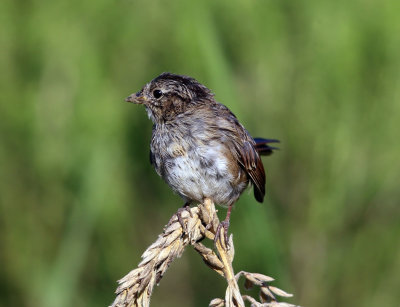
[{"x": 198, "y": 145}]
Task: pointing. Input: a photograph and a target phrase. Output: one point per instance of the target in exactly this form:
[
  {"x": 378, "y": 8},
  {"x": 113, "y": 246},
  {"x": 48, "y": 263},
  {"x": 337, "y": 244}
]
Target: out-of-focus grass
[{"x": 79, "y": 201}]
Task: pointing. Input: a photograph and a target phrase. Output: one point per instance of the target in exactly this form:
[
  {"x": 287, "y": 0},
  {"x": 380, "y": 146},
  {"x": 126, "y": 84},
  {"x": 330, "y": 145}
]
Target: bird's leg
[
  {"x": 225, "y": 225},
  {"x": 185, "y": 207}
]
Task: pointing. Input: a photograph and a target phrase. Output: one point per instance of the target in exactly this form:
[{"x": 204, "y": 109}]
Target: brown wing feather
[
  {"x": 251, "y": 162},
  {"x": 244, "y": 146}
]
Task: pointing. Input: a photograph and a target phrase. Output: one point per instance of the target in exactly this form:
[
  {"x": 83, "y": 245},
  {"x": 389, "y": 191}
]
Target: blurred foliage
[{"x": 79, "y": 201}]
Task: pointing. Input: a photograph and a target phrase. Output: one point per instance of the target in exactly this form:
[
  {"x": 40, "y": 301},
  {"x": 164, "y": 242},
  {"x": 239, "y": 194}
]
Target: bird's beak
[{"x": 136, "y": 98}]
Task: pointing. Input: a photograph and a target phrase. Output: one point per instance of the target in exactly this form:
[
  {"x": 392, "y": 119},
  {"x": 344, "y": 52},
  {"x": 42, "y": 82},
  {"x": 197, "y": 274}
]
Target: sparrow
[{"x": 198, "y": 146}]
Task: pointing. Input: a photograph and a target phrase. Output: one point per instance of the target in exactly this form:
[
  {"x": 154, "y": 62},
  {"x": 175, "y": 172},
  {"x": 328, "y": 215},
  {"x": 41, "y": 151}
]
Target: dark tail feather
[{"x": 262, "y": 146}]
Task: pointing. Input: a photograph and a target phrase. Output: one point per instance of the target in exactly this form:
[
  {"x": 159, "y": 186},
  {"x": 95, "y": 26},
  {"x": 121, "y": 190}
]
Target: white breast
[{"x": 199, "y": 173}]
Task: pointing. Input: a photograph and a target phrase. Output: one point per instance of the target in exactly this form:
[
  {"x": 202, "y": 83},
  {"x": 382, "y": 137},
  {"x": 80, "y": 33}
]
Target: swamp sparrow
[{"x": 198, "y": 145}]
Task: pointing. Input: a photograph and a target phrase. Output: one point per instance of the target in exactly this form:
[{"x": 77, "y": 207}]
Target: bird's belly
[{"x": 200, "y": 174}]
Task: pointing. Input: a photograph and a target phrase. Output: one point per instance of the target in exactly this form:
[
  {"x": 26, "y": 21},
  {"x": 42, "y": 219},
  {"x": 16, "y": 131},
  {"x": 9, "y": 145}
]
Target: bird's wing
[
  {"x": 251, "y": 162},
  {"x": 245, "y": 149}
]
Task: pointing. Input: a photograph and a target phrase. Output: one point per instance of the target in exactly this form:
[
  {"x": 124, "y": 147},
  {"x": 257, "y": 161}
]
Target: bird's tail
[{"x": 263, "y": 148}]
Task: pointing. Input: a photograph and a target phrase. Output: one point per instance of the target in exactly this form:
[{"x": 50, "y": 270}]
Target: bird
[{"x": 198, "y": 146}]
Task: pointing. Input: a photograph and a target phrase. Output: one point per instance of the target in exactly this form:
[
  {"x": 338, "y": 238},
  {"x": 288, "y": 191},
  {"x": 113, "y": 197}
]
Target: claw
[
  {"x": 225, "y": 225},
  {"x": 185, "y": 207}
]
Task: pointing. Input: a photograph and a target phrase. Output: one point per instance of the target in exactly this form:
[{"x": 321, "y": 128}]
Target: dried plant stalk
[
  {"x": 200, "y": 222},
  {"x": 136, "y": 287}
]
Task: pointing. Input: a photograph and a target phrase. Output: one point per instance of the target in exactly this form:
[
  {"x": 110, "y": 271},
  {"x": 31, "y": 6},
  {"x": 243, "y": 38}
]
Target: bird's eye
[{"x": 157, "y": 94}]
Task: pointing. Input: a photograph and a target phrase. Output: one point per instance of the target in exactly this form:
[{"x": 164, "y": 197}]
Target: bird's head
[{"x": 170, "y": 95}]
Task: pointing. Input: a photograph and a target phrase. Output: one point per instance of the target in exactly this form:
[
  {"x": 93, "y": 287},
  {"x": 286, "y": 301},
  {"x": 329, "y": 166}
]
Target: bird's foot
[
  {"x": 225, "y": 226},
  {"x": 186, "y": 207}
]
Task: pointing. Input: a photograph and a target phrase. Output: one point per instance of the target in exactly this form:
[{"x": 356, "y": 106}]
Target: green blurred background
[{"x": 80, "y": 202}]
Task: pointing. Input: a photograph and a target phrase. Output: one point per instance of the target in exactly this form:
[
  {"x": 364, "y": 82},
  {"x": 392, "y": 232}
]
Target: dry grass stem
[{"x": 199, "y": 222}]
